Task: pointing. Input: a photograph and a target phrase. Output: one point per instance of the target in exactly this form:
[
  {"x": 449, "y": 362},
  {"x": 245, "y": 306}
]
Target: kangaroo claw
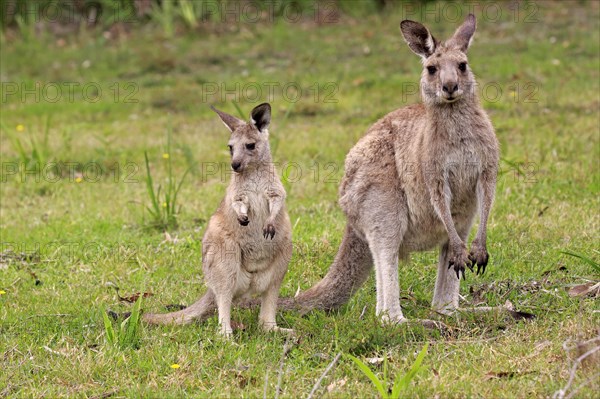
[
  {"x": 471, "y": 263},
  {"x": 269, "y": 231},
  {"x": 481, "y": 267},
  {"x": 480, "y": 257},
  {"x": 460, "y": 263}
]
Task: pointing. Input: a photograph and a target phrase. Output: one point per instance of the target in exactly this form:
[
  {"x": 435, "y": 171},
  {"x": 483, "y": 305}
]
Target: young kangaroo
[
  {"x": 247, "y": 245},
  {"x": 413, "y": 182}
]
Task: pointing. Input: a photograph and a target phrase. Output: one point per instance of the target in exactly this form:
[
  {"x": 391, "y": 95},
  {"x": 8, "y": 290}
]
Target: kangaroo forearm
[
  {"x": 240, "y": 205},
  {"x": 446, "y": 216},
  {"x": 486, "y": 199},
  {"x": 440, "y": 203},
  {"x": 276, "y": 201},
  {"x": 240, "y": 208}
]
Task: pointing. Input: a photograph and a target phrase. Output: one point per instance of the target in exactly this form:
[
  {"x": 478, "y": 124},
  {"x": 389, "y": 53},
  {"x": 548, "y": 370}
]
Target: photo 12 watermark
[
  {"x": 211, "y": 11},
  {"x": 490, "y": 92},
  {"x": 68, "y": 92},
  {"x": 455, "y": 11},
  {"x": 204, "y": 172},
  {"x": 291, "y": 92}
]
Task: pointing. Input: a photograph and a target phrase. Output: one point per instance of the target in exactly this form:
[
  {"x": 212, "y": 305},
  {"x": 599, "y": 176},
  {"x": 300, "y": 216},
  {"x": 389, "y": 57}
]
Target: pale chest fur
[
  {"x": 450, "y": 158},
  {"x": 256, "y": 250}
]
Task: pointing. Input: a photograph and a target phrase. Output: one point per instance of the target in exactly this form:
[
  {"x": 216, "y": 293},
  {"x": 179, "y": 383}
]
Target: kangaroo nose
[
  {"x": 236, "y": 166},
  {"x": 450, "y": 88}
]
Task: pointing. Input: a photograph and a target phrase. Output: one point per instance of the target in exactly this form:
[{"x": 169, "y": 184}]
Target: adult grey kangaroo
[{"x": 415, "y": 181}]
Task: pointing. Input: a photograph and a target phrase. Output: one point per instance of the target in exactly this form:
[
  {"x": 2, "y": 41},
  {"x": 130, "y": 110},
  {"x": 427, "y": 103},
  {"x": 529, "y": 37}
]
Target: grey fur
[{"x": 414, "y": 182}]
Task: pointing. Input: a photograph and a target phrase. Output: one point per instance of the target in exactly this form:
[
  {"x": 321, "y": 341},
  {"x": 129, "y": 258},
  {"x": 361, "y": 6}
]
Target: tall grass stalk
[
  {"x": 401, "y": 382},
  {"x": 127, "y": 335},
  {"x": 189, "y": 13},
  {"x": 163, "y": 207},
  {"x": 35, "y": 153},
  {"x": 165, "y": 16}
]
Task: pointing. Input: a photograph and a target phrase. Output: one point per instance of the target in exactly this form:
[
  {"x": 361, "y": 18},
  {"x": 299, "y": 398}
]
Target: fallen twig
[
  {"x": 574, "y": 391},
  {"x": 318, "y": 383},
  {"x": 266, "y": 384},
  {"x": 560, "y": 394},
  {"x": 286, "y": 349},
  {"x": 362, "y": 313},
  {"x": 48, "y": 349}
]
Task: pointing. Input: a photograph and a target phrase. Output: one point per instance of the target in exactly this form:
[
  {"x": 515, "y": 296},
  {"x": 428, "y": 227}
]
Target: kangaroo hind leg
[
  {"x": 383, "y": 226},
  {"x": 269, "y": 297},
  {"x": 447, "y": 286},
  {"x": 222, "y": 264}
]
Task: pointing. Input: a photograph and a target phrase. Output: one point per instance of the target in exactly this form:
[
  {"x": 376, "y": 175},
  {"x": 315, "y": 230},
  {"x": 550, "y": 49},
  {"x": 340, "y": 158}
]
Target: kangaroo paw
[
  {"x": 243, "y": 220},
  {"x": 459, "y": 261},
  {"x": 269, "y": 230}
]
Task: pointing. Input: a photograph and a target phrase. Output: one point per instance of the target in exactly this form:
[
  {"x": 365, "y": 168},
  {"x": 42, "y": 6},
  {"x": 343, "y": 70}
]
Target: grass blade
[
  {"x": 150, "y": 186},
  {"x": 108, "y": 328},
  {"x": 239, "y": 110},
  {"x": 402, "y": 383},
  {"x": 367, "y": 371},
  {"x": 133, "y": 325},
  {"x": 174, "y": 203},
  {"x": 584, "y": 258}
]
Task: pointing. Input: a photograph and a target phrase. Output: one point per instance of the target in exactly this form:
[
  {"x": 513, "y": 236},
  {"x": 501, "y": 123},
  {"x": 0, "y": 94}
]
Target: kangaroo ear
[
  {"x": 464, "y": 34},
  {"x": 230, "y": 121},
  {"x": 418, "y": 38},
  {"x": 261, "y": 116}
]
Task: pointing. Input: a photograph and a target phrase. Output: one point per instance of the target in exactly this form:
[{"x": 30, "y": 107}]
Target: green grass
[
  {"x": 83, "y": 219},
  {"x": 127, "y": 334},
  {"x": 163, "y": 208},
  {"x": 401, "y": 382}
]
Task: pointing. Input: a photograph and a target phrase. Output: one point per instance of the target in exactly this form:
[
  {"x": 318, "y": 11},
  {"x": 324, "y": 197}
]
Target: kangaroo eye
[
  {"x": 230, "y": 149},
  {"x": 250, "y": 146},
  {"x": 462, "y": 66},
  {"x": 432, "y": 70}
]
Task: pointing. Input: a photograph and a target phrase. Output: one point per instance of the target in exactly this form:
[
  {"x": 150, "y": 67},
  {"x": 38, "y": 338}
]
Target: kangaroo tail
[
  {"x": 350, "y": 269},
  {"x": 200, "y": 310}
]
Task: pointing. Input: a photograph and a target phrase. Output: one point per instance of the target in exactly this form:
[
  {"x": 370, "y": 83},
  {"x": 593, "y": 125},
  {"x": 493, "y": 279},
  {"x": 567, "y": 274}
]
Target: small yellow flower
[
  {"x": 164, "y": 204},
  {"x": 166, "y": 155},
  {"x": 78, "y": 179},
  {"x": 2, "y": 292},
  {"x": 20, "y": 128},
  {"x": 175, "y": 366}
]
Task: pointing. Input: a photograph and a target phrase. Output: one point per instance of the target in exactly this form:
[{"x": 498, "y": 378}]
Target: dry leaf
[
  {"x": 236, "y": 325},
  {"x": 337, "y": 384},
  {"x": 504, "y": 374},
  {"x": 499, "y": 374},
  {"x": 169, "y": 239},
  {"x": 585, "y": 289},
  {"x": 374, "y": 360},
  {"x": 134, "y": 297}
]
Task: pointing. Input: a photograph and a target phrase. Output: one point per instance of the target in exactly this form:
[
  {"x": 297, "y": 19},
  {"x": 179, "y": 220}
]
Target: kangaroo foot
[{"x": 272, "y": 327}]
